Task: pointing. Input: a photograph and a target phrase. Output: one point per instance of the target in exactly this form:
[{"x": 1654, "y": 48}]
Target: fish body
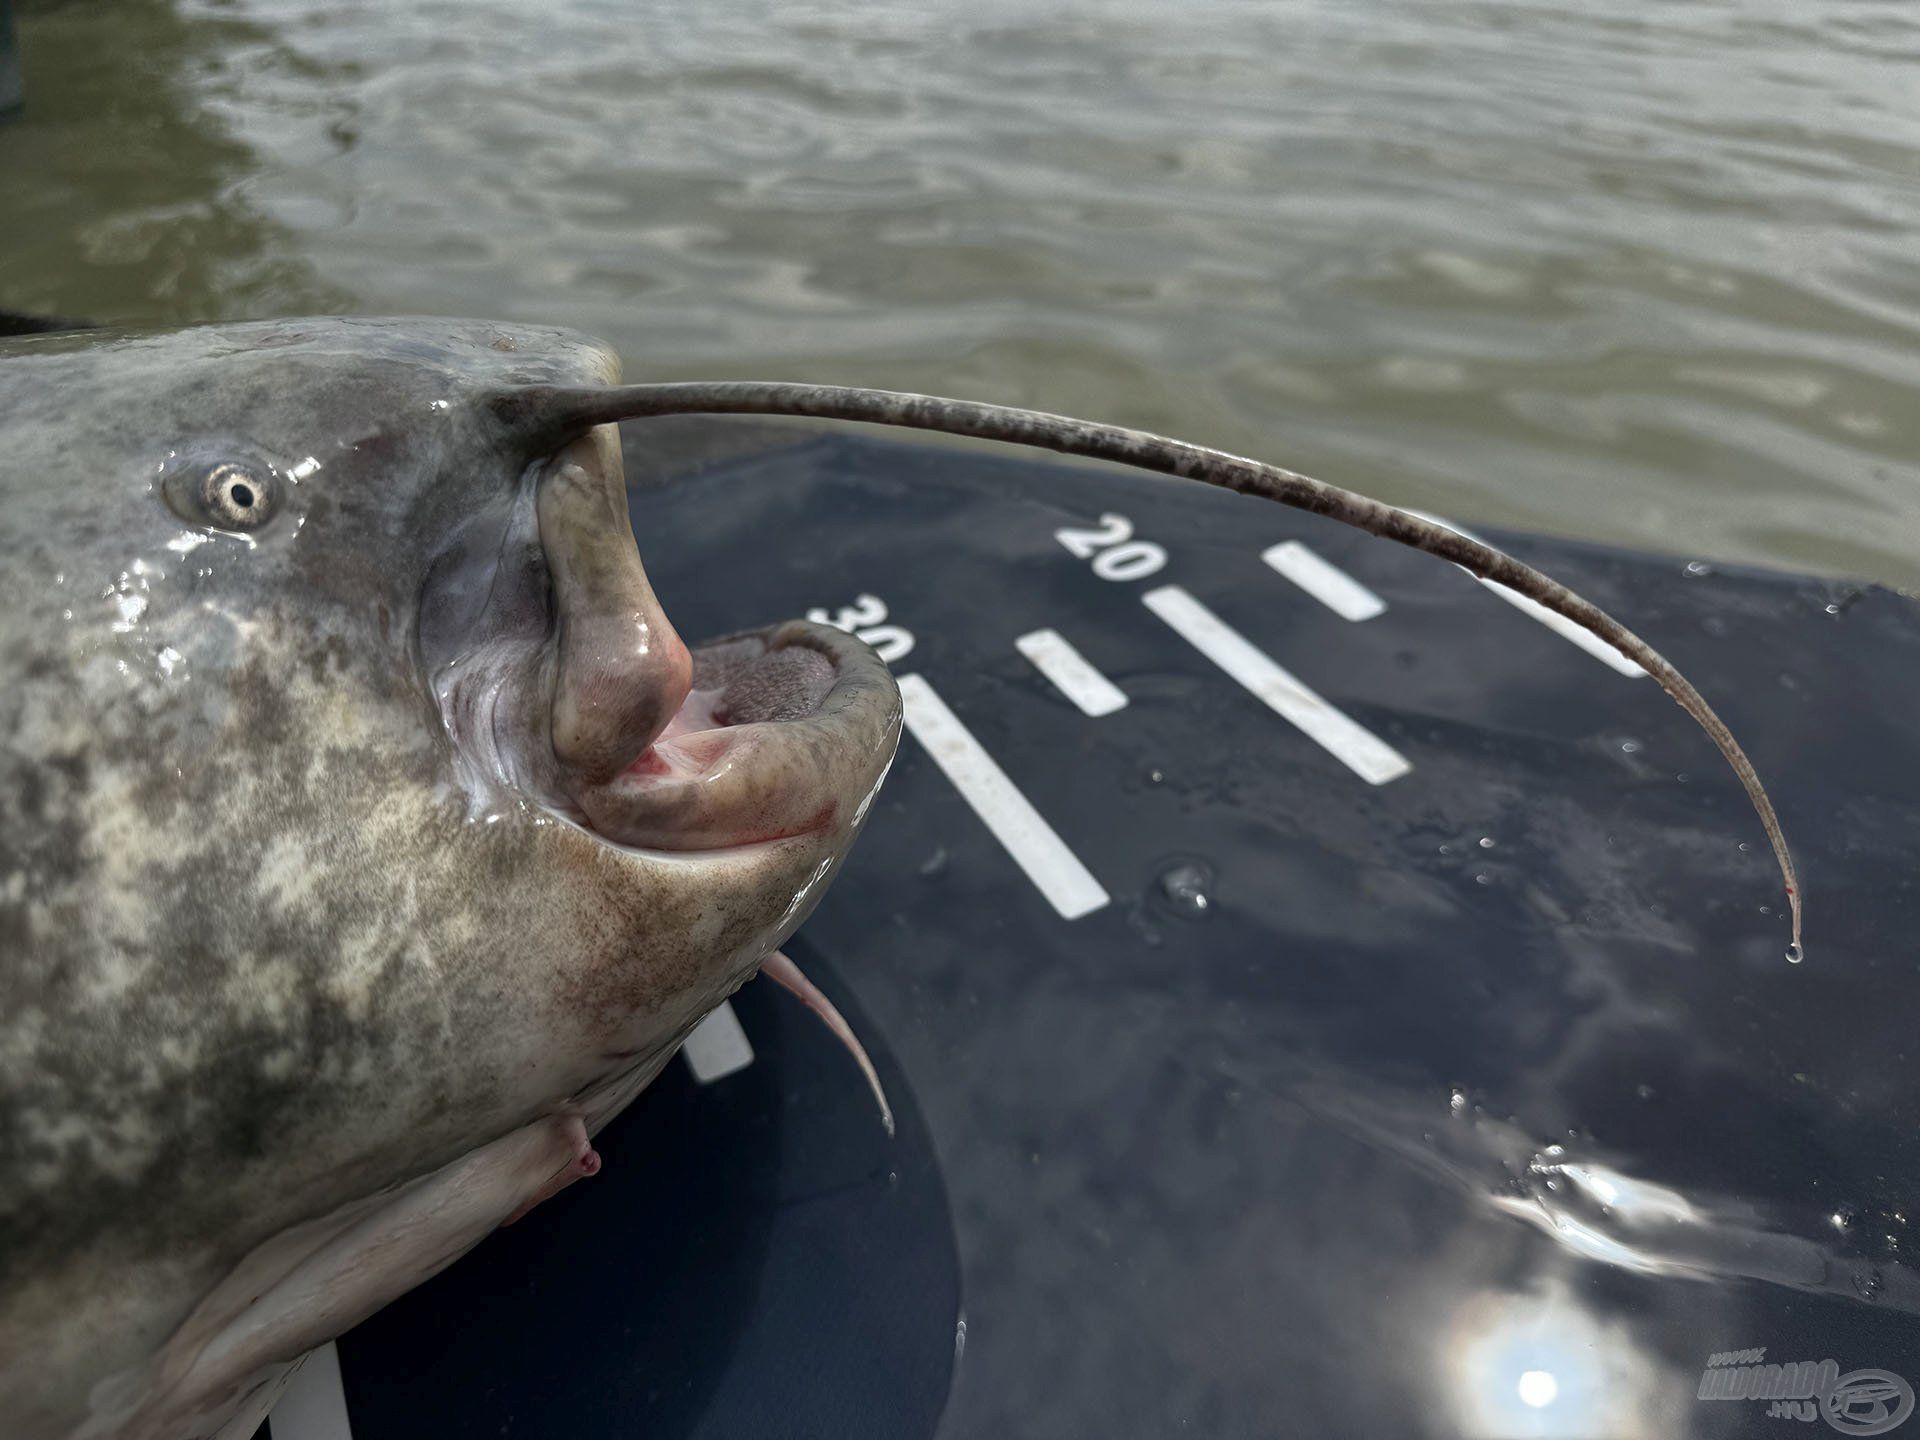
[{"x": 367, "y": 837}]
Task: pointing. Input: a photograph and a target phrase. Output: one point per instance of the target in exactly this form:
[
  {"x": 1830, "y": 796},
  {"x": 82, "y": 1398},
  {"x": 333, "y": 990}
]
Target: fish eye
[{"x": 224, "y": 494}]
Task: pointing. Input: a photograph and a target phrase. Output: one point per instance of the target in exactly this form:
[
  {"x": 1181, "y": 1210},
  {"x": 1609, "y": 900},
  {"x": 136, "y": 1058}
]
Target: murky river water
[{"x": 1638, "y": 272}]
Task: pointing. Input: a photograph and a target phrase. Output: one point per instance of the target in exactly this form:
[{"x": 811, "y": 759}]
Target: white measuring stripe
[
  {"x": 1354, "y": 746},
  {"x": 717, "y": 1046},
  {"x": 1553, "y": 620},
  {"x": 314, "y": 1404},
  {"x": 1324, "y": 581},
  {"x": 1054, "y": 869},
  {"x": 1071, "y": 672}
]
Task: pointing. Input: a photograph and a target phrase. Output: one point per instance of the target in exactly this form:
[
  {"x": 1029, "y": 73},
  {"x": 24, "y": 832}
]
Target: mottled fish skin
[{"x": 264, "y": 947}]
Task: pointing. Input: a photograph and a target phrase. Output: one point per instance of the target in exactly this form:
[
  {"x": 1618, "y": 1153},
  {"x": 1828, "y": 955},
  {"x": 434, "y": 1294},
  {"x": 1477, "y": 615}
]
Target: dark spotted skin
[{"x": 261, "y": 951}]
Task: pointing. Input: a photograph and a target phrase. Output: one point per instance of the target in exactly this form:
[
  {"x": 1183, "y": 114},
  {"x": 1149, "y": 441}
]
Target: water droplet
[
  {"x": 1867, "y": 1283},
  {"x": 1842, "y": 1218},
  {"x": 1833, "y": 609},
  {"x": 1699, "y": 567},
  {"x": 1155, "y": 776},
  {"x": 1645, "y": 1092},
  {"x": 1457, "y": 1102},
  {"x": 1630, "y": 747},
  {"x": 1444, "y": 849},
  {"x": 1186, "y": 885},
  {"x": 1140, "y": 921},
  {"x": 1796, "y": 952},
  {"x": 1483, "y": 878},
  {"x": 1486, "y": 842},
  {"x": 1745, "y": 848},
  {"x": 934, "y": 864}
]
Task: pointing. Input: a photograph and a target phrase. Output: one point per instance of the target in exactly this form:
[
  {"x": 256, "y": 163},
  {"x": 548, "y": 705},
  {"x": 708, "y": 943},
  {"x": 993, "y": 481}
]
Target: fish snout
[
  {"x": 621, "y": 671},
  {"x": 770, "y": 734}
]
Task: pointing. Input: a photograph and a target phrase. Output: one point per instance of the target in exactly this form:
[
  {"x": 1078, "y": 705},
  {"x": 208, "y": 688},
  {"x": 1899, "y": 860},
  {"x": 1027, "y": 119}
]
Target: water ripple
[{"x": 1639, "y": 272}]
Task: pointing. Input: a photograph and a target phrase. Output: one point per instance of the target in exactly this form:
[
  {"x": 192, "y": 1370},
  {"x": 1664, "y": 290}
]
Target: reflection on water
[
  {"x": 1570, "y": 1342},
  {"x": 1539, "y": 1364},
  {"x": 1637, "y": 272}
]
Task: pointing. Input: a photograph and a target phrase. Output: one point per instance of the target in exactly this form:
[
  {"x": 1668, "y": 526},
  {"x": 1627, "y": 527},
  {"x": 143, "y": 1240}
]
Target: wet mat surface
[{"x": 1407, "y": 1048}]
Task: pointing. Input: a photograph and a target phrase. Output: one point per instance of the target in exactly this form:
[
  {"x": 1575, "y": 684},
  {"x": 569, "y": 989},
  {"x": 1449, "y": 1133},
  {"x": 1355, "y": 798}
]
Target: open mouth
[
  {"x": 559, "y": 675},
  {"x": 783, "y": 732}
]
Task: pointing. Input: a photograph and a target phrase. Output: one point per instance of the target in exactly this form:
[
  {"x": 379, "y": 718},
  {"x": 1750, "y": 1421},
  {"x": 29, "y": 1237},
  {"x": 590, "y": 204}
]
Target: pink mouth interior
[{"x": 735, "y": 682}]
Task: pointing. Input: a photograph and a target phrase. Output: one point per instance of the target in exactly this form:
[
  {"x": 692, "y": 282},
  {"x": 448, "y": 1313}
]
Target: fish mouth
[
  {"x": 783, "y": 732},
  {"x": 586, "y": 701}
]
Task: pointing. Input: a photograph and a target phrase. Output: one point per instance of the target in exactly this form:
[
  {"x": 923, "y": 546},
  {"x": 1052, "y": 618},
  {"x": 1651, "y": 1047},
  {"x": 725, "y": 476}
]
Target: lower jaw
[{"x": 753, "y": 757}]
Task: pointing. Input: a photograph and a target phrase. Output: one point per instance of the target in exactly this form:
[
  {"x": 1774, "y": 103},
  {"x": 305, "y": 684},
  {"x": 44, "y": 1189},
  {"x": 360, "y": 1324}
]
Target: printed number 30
[
  {"x": 865, "y": 618},
  {"x": 1116, "y": 555}
]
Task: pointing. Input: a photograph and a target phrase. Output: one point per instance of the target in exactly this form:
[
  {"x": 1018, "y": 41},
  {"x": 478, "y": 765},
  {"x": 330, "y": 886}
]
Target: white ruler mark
[
  {"x": 717, "y": 1046},
  {"x": 1553, "y": 620},
  {"x": 1354, "y": 746},
  {"x": 1324, "y": 581},
  {"x": 1071, "y": 672},
  {"x": 1054, "y": 869},
  {"x": 314, "y": 1404}
]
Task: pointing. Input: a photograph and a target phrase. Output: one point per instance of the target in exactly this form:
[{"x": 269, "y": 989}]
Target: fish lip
[
  {"x": 645, "y": 764},
  {"x": 719, "y": 780},
  {"x": 619, "y": 670}
]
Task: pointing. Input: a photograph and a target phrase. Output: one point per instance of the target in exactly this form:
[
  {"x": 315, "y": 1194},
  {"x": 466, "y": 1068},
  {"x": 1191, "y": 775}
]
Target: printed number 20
[{"x": 1116, "y": 555}]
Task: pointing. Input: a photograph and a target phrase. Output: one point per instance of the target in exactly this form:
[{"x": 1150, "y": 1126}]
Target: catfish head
[{"x": 368, "y": 836}]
